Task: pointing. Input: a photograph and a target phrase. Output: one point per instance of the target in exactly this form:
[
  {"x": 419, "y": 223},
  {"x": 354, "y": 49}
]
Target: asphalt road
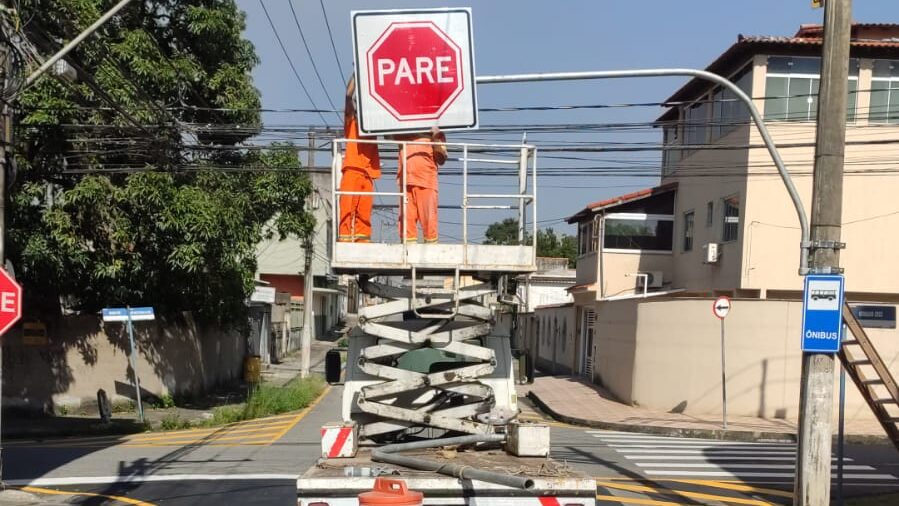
[{"x": 256, "y": 463}]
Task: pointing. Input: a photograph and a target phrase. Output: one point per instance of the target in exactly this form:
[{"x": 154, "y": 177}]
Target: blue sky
[{"x": 538, "y": 36}]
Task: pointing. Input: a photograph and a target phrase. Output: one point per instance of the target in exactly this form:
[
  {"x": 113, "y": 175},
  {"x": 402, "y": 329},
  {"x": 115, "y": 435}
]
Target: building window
[
  {"x": 731, "y": 215},
  {"x": 791, "y": 88},
  {"x": 640, "y": 232},
  {"x": 688, "y": 231},
  {"x": 696, "y": 120},
  {"x": 729, "y": 111},
  {"x": 586, "y": 237},
  {"x": 670, "y": 157},
  {"x": 885, "y": 92},
  {"x": 709, "y": 214}
]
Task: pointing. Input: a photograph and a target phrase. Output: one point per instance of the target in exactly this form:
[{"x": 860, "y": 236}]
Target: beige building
[{"x": 721, "y": 222}]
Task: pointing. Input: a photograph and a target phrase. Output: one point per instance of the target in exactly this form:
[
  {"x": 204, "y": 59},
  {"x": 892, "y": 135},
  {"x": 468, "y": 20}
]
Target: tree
[
  {"x": 130, "y": 186},
  {"x": 548, "y": 243}
]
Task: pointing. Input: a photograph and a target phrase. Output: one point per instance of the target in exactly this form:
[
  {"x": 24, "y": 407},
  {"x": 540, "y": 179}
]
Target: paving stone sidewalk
[{"x": 577, "y": 402}]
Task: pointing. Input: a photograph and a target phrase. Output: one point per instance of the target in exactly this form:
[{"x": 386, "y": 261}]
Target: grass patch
[
  {"x": 876, "y": 500},
  {"x": 269, "y": 400},
  {"x": 172, "y": 421}
]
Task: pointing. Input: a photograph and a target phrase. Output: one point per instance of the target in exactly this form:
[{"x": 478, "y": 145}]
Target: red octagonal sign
[
  {"x": 10, "y": 301},
  {"x": 415, "y": 70}
]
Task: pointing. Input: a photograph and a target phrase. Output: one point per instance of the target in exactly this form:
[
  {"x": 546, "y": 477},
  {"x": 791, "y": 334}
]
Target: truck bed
[{"x": 337, "y": 482}]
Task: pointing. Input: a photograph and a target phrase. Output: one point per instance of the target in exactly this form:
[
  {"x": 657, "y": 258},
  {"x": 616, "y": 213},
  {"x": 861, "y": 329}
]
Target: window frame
[
  {"x": 724, "y": 219},
  {"x": 812, "y": 99},
  {"x": 710, "y": 214},
  {"x": 892, "y": 86},
  {"x": 689, "y": 232},
  {"x": 638, "y": 217}
]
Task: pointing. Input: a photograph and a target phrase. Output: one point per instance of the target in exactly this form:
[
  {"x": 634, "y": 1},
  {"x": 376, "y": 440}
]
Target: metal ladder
[
  {"x": 451, "y": 320},
  {"x": 879, "y": 390}
]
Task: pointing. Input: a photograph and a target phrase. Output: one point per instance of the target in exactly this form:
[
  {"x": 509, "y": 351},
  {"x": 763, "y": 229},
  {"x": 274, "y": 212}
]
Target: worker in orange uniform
[
  {"x": 361, "y": 167},
  {"x": 420, "y": 162}
]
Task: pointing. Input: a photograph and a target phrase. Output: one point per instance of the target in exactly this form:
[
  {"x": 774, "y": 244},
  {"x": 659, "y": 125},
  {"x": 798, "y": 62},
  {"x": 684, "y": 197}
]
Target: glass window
[
  {"x": 731, "y": 219},
  {"x": 586, "y": 238},
  {"x": 885, "y": 92},
  {"x": 639, "y": 232},
  {"x": 729, "y": 111},
  {"x": 671, "y": 137},
  {"x": 696, "y": 120},
  {"x": 688, "y": 231},
  {"x": 709, "y": 214},
  {"x": 791, "y": 88}
]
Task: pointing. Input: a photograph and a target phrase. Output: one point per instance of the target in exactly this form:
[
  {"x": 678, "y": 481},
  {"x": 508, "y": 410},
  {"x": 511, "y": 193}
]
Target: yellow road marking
[
  {"x": 635, "y": 500},
  {"x": 302, "y": 414},
  {"x": 684, "y": 493},
  {"x": 212, "y": 434},
  {"x": 185, "y": 441},
  {"x": 50, "y": 491},
  {"x": 738, "y": 486}
]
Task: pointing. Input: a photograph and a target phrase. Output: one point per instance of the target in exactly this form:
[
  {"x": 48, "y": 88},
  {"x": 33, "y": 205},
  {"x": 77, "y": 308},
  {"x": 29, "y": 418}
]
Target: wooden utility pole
[{"x": 813, "y": 458}]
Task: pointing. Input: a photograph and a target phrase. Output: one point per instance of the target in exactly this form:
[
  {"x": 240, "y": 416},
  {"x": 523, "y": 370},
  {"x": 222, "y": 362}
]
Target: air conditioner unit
[
  {"x": 710, "y": 251},
  {"x": 653, "y": 279}
]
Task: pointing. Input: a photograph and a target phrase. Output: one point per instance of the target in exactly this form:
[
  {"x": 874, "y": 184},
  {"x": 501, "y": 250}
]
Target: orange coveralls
[
  {"x": 421, "y": 189},
  {"x": 361, "y": 166}
]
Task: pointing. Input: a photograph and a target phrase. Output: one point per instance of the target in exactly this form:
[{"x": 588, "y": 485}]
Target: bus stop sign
[
  {"x": 822, "y": 313},
  {"x": 415, "y": 70}
]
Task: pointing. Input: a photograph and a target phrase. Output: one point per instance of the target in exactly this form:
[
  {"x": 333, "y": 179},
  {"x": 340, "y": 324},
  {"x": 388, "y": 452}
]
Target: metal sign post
[
  {"x": 129, "y": 315},
  {"x": 720, "y": 308}
]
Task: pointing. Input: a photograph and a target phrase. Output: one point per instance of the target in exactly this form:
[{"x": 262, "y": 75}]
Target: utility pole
[
  {"x": 813, "y": 458},
  {"x": 308, "y": 281},
  {"x": 5, "y": 142}
]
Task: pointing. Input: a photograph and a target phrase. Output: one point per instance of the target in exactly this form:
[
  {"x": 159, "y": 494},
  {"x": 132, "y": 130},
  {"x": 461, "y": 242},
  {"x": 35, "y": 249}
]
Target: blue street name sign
[
  {"x": 822, "y": 313},
  {"x": 120, "y": 314}
]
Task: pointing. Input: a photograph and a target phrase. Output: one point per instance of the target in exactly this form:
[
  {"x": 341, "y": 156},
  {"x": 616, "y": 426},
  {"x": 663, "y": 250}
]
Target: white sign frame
[
  {"x": 717, "y": 312},
  {"x": 376, "y": 119}
]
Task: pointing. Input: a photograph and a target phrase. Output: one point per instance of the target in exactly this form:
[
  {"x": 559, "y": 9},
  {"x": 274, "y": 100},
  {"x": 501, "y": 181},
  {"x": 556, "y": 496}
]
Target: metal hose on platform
[{"x": 389, "y": 454}]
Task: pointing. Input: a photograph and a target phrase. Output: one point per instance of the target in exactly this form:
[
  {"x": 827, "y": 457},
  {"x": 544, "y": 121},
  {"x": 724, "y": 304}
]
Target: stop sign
[
  {"x": 10, "y": 301},
  {"x": 415, "y": 70}
]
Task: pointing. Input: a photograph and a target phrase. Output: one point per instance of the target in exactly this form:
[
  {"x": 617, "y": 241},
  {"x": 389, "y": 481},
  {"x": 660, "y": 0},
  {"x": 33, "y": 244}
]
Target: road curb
[{"x": 719, "y": 434}]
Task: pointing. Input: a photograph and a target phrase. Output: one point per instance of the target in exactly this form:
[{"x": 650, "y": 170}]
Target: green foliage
[
  {"x": 177, "y": 232},
  {"x": 172, "y": 421},
  {"x": 549, "y": 244},
  {"x": 268, "y": 400}
]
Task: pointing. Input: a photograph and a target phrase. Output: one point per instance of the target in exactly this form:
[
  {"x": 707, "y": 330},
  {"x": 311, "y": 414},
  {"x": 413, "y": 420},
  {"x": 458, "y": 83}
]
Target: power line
[
  {"x": 289, "y": 60},
  {"x": 333, "y": 47},
  {"x": 296, "y": 20}
]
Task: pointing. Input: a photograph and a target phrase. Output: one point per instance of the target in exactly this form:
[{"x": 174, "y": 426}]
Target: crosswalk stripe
[
  {"x": 668, "y": 465},
  {"x": 716, "y": 458},
  {"x": 691, "y": 442},
  {"x": 714, "y": 451},
  {"x": 701, "y": 447},
  {"x": 726, "y": 474},
  {"x": 638, "y": 438}
]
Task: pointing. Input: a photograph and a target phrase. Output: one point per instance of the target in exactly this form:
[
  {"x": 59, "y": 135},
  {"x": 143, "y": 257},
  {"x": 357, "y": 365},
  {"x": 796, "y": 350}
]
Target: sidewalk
[{"x": 576, "y": 402}]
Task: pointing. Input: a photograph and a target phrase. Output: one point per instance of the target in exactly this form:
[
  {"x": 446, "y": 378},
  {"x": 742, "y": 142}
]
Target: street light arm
[
  {"x": 701, "y": 74},
  {"x": 72, "y": 44}
]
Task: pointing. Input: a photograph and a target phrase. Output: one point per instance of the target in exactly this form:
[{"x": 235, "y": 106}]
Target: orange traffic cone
[{"x": 388, "y": 492}]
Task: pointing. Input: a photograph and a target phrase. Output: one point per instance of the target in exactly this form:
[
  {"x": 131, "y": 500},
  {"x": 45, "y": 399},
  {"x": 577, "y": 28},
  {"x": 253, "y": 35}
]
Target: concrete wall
[
  {"x": 82, "y": 355},
  {"x": 554, "y": 332},
  {"x": 656, "y": 363},
  {"x": 619, "y": 269}
]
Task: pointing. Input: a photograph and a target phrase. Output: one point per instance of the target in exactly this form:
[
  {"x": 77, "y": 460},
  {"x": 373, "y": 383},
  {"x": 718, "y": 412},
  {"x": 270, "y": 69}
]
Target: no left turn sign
[{"x": 721, "y": 307}]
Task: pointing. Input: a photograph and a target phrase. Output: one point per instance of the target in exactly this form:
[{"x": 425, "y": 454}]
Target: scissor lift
[{"x": 407, "y": 320}]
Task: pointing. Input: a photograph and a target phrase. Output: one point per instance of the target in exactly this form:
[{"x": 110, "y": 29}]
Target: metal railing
[{"x": 524, "y": 201}]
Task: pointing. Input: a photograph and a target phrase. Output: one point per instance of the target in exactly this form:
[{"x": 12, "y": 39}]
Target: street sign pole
[
  {"x": 723, "y": 379},
  {"x": 140, "y": 407},
  {"x": 720, "y": 308}
]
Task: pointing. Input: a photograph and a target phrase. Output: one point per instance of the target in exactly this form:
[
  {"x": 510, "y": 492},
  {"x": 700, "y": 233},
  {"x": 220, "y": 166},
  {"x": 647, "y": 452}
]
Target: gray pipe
[{"x": 389, "y": 455}]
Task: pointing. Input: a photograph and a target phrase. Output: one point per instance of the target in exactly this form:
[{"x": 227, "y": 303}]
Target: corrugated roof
[{"x": 623, "y": 199}]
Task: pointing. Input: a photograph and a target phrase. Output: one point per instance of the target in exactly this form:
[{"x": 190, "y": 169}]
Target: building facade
[{"x": 721, "y": 223}]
